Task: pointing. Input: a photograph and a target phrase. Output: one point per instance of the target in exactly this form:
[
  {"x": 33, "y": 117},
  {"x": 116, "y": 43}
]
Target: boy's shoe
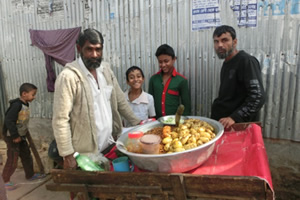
[
  {"x": 37, "y": 176},
  {"x": 10, "y": 186}
]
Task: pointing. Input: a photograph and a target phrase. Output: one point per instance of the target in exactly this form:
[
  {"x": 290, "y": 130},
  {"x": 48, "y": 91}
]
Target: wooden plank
[
  {"x": 112, "y": 178},
  {"x": 178, "y": 189},
  {"x": 269, "y": 192},
  {"x": 126, "y": 192},
  {"x": 155, "y": 185},
  {"x": 66, "y": 187},
  {"x": 79, "y": 189},
  {"x": 128, "y": 185},
  {"x": 230, "y": 187},
  {"x": 35, "y": 152},
  {"x": 125, "y": 189},
  {"x": 109, "y": 191},
  {"x": 104, "y": 188},
  {"x": 133, "y": 197}
]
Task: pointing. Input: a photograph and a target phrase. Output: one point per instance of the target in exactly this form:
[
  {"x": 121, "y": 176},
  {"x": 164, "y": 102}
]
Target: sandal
[
  {"x": 37, "y": 176},
  {"x": 10, "y": 186}
]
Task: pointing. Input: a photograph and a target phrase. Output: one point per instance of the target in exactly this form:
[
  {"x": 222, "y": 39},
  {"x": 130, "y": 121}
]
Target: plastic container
[
  {"x": 85, "y": 163},
  {"x": 122, "y": 164},
  {"x": 133, "y": 142},
  {"x": 150, "y": 144},
  {"x": 147, "y": 120}
]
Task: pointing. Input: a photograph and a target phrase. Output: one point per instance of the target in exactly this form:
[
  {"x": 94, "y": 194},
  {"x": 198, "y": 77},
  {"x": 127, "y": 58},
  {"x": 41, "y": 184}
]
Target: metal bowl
[
  {"x": 170, "y": 119},
  {"x": 173, "y": 162}
]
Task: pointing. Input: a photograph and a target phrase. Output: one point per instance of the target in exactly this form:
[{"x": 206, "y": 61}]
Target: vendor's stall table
[
  {"x": 147, "y": 185},
  {"x": 237, "y": 169}
]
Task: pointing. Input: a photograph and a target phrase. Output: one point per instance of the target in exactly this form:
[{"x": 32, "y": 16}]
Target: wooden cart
[{"x": 157, "y": 186}]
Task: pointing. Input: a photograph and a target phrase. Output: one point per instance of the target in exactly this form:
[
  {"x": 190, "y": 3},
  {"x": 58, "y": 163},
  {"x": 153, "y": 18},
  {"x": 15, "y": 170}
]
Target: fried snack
[
  {"x": 155, "y": 131},
  {"x": 190, "y": 134}
]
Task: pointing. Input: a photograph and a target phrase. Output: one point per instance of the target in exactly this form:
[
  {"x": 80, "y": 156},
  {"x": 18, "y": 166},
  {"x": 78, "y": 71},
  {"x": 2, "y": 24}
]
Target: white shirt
[
  {"x": 102, "y": 109},
  {"x": 143, "y": 106}
]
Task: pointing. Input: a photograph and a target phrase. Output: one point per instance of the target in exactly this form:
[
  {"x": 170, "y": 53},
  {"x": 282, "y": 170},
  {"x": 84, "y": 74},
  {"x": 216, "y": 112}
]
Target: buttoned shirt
[
  {"x": 143, "y": 106},
  {"x": 102, "y": 108}
]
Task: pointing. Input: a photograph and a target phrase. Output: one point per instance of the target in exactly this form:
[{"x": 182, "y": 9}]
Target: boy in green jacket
[{"x": 168, "y": 87}]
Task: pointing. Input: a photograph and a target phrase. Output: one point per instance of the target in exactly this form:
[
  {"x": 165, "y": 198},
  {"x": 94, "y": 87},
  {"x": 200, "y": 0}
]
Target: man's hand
[
  {"x": 227, "y": 122},
  {"x": 17, "y": 140},
  {"x": 70, "y": 162}
]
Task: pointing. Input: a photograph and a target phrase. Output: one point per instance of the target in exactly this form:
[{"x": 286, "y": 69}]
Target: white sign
[
  {"x": 205, "y": 14},
  {"x": 246, "y": 12}
]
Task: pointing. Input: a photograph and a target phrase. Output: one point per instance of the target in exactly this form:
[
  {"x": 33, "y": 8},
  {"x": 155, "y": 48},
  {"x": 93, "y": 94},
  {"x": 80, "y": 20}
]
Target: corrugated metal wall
[
  {"x": 133, "y": 29},
  {"x": 2, "y": 100}
]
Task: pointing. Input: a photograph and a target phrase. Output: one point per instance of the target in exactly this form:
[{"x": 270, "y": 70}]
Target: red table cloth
[{"x": 236, "y": 153}]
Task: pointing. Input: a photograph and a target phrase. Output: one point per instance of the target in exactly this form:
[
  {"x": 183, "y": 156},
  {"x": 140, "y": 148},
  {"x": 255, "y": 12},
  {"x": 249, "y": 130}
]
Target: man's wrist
[{"x": 68, "y": 156}]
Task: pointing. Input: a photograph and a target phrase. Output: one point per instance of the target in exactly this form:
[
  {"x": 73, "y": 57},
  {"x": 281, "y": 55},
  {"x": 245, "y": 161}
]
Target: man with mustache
[
  {"x": 241, "y": 92},
  {"x": 88, "y": 103}
]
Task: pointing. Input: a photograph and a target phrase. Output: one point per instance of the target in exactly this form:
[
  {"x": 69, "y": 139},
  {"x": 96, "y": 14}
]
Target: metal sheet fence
[
  {"x": 133, "y": 29},
  {"x": 2, "y": 99}
]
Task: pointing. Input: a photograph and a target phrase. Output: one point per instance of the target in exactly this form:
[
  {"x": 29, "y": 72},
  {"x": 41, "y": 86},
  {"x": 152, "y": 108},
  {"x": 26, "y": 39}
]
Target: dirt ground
[{"x": 284, "y": 161}]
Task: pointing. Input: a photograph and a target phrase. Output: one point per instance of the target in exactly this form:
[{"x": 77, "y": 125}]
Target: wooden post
[
  {"x": 35, "y": 152},
  {"x": 178, "y": 188}
]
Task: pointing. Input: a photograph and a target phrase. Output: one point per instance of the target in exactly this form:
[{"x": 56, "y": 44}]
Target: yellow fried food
[
  {"x": 174, "y": 134},
  {"x": 185, "y": 139},
  {"x": 166, "y": 131},
  {"x": 176, "y": 144},
  {"x": 167, "y": 147},
  {"x": 179, "y": 149},
  {"x": 190, "y": 146},
  {"x": 188, "y": 135},
  {"x": 167, "y": 140},
  {"x": 205, "y": 134},
  {"x": 204, "y": 139}
]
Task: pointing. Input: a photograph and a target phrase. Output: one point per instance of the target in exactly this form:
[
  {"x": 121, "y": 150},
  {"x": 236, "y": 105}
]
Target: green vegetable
[{"x": 171, "y": 120}]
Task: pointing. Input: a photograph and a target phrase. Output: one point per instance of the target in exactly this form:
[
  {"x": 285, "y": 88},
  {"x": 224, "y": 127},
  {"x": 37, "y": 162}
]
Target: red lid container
[{"x": 135, "y": 134}]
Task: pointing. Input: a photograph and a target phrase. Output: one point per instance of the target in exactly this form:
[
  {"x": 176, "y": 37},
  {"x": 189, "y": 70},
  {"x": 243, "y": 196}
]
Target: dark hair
[
  {"x": 27, "y": 87},
  {"x": 91, "y": 35},
  {"x": 165, "y": 50},
  {"x": 131, "y": 69},
  {"x": 224, "y": 29}
]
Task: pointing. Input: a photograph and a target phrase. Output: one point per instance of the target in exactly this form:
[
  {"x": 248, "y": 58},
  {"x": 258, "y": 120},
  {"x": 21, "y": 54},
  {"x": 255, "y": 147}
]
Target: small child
[
  {"x": 14, "y": 131},
  {"x": 141, "y": 102},
  {"x": 168, "y": 87}
]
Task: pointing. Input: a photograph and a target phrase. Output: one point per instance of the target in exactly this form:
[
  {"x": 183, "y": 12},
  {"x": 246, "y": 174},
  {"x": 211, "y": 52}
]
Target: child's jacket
[{"x": 16, "y": 119}]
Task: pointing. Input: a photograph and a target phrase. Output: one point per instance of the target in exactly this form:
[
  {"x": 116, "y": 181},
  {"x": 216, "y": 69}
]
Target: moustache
[{"x": 92, "y": 63}]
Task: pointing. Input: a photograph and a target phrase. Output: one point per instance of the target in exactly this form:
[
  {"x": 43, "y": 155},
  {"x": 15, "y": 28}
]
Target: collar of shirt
[
  {"x": 174, "y": 72},
  {"x": 83, "y": 67},
  {"x": 101, "y": 79},
  {"x": 141, "y": 99}
]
